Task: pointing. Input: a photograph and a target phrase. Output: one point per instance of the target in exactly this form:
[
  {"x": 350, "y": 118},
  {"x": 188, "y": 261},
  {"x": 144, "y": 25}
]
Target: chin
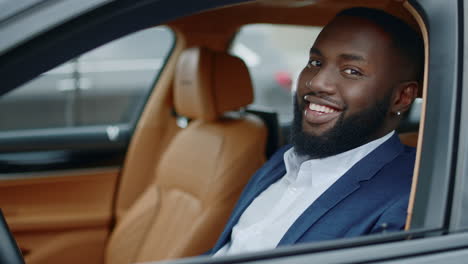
[{"x": 317, "y": 131}]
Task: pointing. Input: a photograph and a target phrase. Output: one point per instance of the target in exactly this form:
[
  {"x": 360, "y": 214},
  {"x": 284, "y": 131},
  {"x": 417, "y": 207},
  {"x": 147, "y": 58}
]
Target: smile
[
  {"x": 322, "y": 109},
  {"x": 317, "y": 114}
]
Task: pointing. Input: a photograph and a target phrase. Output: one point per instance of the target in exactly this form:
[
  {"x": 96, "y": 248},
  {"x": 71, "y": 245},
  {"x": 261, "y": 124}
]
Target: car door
[
  {"x": 63, "y": 140},
  {"x": 439, "y": 223}
]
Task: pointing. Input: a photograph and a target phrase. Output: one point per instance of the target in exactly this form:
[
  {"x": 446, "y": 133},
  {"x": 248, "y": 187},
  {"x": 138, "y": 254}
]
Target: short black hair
[{"x": 406, "y": 40}]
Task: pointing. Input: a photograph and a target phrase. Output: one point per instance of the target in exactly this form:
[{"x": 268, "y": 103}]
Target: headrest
[{"x": 209, "y": 83}]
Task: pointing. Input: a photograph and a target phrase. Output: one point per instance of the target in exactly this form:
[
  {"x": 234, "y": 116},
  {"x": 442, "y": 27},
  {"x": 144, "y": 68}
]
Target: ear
[{"x": 403, "y": 96}]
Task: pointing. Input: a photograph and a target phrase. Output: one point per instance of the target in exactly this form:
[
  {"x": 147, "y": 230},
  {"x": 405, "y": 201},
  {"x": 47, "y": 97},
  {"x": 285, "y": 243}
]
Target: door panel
[
  {"x": 62, "y": 148},
  {"x": 81, "y": 246},
  {"x": 53, "y": 216}
]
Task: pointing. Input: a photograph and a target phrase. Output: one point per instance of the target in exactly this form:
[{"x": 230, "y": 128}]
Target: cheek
[
  {"x": 306, "y": 74},
  {"x": 359, "y": 96},
  {"x": 301, "y": 79}
]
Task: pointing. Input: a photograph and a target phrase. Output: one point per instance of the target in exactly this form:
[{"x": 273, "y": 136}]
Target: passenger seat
[{"x": 204, "y": 169}]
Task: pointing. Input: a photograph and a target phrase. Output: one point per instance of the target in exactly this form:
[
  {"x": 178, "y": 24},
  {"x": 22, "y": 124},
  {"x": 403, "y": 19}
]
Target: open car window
[
  {"x": 105, "y": 86},
  {"x": 82, "y": 113}
]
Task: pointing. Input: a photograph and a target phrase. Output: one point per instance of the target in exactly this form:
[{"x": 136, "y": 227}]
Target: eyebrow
[
  {"x": 315, "y": 51},
  {"x": 344, "y": 56},
  {"x": 352, "y": 57}
]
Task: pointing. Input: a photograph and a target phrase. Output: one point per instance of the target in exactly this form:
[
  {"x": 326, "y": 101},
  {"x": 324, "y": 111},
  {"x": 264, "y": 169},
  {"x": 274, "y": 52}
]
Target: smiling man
[{"x": 346, "y": 173}]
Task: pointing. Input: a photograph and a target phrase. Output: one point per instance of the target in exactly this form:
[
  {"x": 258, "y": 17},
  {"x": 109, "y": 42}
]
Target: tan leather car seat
[
  {"x": 204, "y": 169},
  {"x": 409, "y": 138}
]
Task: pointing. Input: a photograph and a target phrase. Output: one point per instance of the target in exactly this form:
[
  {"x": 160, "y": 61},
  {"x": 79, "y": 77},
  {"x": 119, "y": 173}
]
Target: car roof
[{"x": 23, "y": 20}]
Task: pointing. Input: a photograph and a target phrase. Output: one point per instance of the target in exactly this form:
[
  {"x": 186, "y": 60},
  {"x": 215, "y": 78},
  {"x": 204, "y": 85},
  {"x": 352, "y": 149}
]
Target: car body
[{"x": 64, "y": 182}]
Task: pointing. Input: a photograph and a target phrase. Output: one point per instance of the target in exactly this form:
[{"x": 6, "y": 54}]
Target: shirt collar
[
  {"x": 333, "y": 165},
  {"x": 293, "y": 161}
]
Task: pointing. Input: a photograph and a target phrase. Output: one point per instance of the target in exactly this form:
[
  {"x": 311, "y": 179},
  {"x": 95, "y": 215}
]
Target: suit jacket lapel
[
  {"x": 266, "y": 177},
  {"x": 346, "y": 185},
  {"x": 264, "y": 181}
]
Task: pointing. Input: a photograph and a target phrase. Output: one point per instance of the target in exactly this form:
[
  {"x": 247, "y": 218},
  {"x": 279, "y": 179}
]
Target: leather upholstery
[
  {"x": 209, "y": 83},
  {"x": 409, "y": 138},
  {"x": 153, "y": 133},
  {"x": 202, "y": 171}
]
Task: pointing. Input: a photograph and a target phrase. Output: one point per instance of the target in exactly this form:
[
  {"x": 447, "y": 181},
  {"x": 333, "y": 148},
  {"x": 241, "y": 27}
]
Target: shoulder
[
  {"x": 410, "y": 151},
  {"x": 393, "y": 180},
  {"x": 406, "y": 159}
]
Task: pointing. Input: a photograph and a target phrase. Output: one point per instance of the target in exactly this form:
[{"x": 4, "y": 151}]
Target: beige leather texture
[
  {"x": 70, "y": 246},
  {"x": 198, "y": 75},
  {"x": 153, "y": 133},
  {"x": 183, "y": 213},
  {"x": 409, "y": 138},
  {"x": 197, "y": 181},
  {"x": 54, "y": 218}
]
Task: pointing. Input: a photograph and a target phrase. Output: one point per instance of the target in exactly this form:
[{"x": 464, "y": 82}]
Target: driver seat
[{"x": 204, "y": 169}]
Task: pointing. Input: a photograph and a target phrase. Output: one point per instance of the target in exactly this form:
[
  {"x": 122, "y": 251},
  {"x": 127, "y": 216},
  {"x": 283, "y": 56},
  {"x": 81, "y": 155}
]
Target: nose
[{"x": 321, "y": 81}]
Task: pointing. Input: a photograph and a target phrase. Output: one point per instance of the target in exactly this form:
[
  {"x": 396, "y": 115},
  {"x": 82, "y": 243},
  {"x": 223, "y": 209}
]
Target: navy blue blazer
[{"x": 369, "y": 198}]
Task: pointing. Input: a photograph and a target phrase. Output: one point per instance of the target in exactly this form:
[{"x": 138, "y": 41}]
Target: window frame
[
  {"x": 459, "y": 207},
  {"x": 436, "y": 168}
]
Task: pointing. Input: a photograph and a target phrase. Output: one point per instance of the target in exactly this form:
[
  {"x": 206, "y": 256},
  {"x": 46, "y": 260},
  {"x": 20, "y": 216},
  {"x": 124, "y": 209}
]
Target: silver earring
[
  {"x": 308, "y": 84},
  {"x": 398, "y": 113}
]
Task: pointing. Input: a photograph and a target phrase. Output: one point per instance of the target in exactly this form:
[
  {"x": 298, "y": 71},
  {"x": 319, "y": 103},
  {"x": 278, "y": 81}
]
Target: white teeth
[
  {"x": 321, "y": 108},
  {"x": 313, "y": 107}
]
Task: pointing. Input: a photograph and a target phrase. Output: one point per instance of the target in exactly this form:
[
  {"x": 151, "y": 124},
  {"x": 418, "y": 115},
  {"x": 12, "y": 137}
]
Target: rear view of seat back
[
  {"x": 409, "y": 138},
  {"x": 204, "y": 169}
]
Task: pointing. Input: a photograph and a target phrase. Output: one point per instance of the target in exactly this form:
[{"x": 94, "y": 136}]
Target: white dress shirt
[{"x": 267, "y": 219}]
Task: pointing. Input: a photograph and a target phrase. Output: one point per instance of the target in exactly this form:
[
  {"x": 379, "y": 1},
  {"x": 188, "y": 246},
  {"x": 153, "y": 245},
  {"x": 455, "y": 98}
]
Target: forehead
[{"x": 352, "y": 35}]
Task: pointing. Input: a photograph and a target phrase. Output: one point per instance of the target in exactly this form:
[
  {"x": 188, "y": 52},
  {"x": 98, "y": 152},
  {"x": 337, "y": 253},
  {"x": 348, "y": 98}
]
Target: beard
[{"x": 346, "y": 134}]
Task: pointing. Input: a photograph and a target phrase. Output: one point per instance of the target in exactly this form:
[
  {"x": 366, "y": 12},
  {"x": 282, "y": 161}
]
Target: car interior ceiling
[{"x": 199, "y": 31}]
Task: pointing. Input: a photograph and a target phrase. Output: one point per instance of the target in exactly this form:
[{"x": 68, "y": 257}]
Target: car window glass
[
  {"x": 102, "y": 87},
  {"x": 275, "y": 55}
]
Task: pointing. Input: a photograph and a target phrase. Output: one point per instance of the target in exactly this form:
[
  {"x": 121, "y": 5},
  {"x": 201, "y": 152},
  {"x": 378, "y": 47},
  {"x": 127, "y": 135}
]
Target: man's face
[{"x": 344, "y": 92}]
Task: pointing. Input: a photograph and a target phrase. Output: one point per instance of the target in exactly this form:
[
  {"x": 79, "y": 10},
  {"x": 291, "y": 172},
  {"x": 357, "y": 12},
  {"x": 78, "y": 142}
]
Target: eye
[
  {"x": 314, "y": 63},
  {"x": 352, "y": 72}
]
